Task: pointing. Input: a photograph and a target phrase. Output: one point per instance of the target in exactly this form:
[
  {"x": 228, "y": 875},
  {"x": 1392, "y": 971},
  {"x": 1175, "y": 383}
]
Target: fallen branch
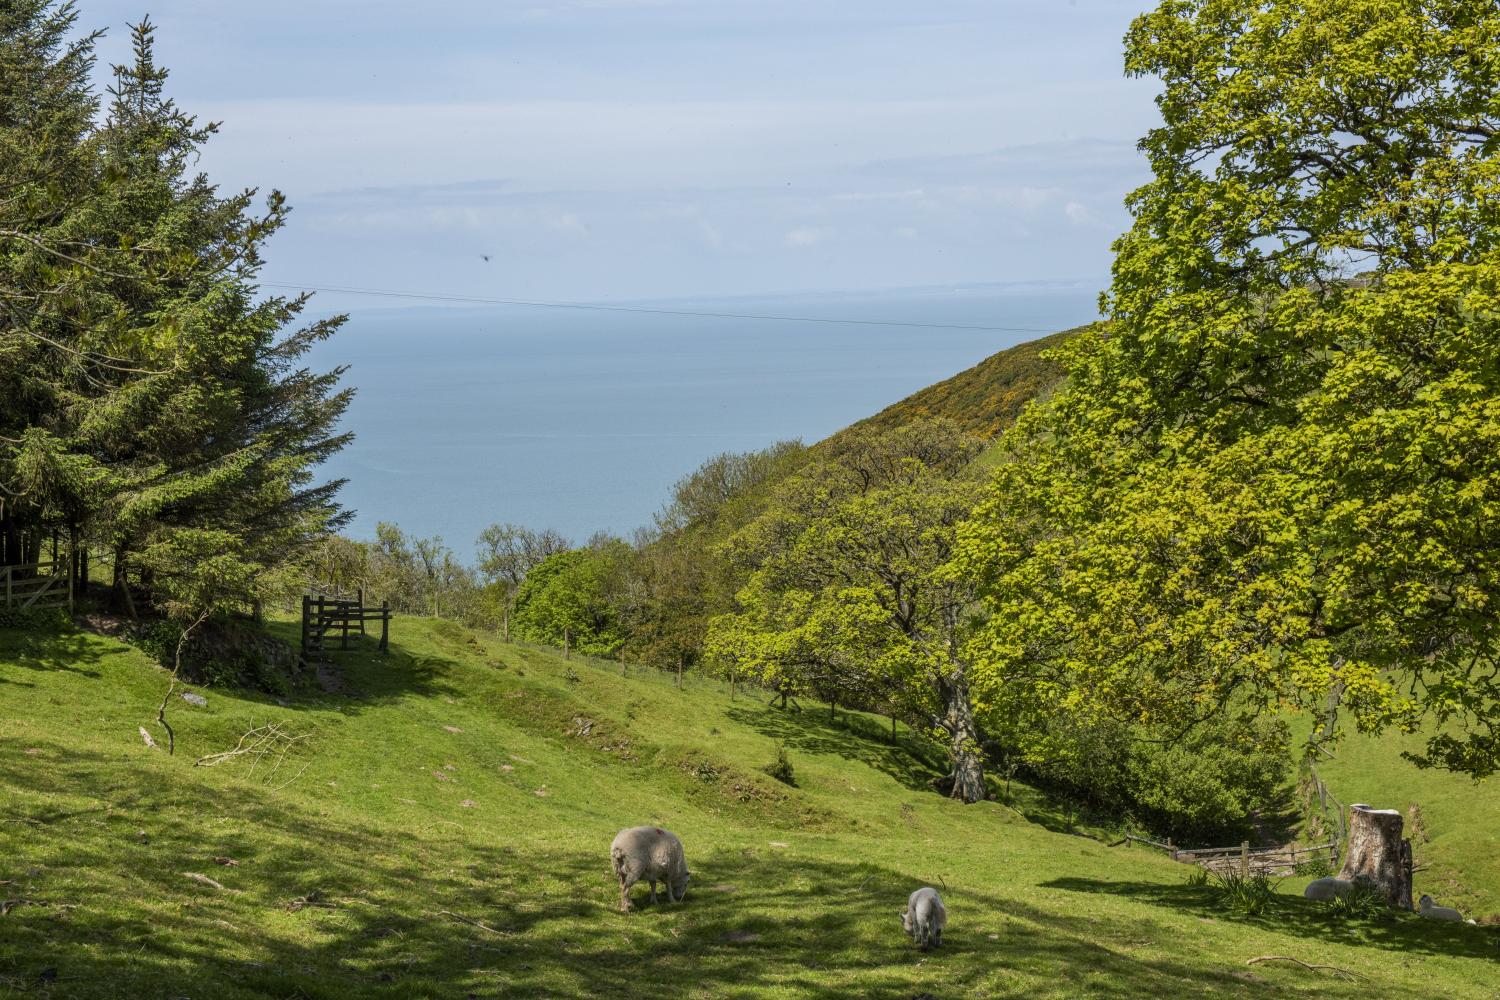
[
  {"x": 161, "y": 711},
  {"x": 204, "y": 879},
  {"x": 1298, "y": 961},
  {"x": 147, "y": 737},
  {"x": 473, "y": 923},
  {"x": 313, "y": 899},
  {"x": 262, "y": 741},
  {"x": 6, "y": 905}
]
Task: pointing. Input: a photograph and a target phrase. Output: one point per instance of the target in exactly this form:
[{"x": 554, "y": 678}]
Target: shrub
[
  {"x": 1316, "y": 868},
  {"x": 781, "y": 768},
  {"x": 1359, "y": 903},
  {"x": 1198, "y": 876},
  {"x": 1251, "y": 895}
]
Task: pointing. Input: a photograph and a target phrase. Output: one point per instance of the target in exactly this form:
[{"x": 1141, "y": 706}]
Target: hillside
[
  {"x": 444, "y": 833},
  {"x": 986, "y": 398}
]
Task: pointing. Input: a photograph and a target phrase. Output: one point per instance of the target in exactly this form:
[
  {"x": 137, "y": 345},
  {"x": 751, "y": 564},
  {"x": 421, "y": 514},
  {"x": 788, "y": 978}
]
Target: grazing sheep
[
  {"x": 925, "y": 917},
  {"x": 1432, "y": 911},
  {"x": 649, "y": 854},
  {"x": 1328, "y": 888}
]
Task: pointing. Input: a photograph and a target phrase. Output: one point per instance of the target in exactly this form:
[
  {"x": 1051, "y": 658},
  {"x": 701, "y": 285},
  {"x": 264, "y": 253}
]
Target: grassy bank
[{"x": 442, "y": 831}]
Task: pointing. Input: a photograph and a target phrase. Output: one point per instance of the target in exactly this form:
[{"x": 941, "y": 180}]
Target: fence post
[
  {"x": 306, "y": 604},
  {"x": 1244, "y": 859},
  {"x": 385, "y": 624}
]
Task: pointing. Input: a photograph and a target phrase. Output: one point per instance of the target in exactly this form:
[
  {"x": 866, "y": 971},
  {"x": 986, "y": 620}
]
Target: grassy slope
[
  {"x": 1460, "y": 851},
  {"x": 452, "y": 783}
]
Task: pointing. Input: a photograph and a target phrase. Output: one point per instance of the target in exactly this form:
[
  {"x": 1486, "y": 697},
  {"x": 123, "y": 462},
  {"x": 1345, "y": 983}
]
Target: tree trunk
[
  {"x": 1377, "y": 855},
  {"x": 967, "y": 776}
]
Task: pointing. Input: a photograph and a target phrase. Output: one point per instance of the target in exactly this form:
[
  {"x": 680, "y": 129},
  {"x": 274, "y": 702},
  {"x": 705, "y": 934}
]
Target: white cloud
[
  {"x": 807, "y": 236},
  {"x": 1078, "y": 213}
]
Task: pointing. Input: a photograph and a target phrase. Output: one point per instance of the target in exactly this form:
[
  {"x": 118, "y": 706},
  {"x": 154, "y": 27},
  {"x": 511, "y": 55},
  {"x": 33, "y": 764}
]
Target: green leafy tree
[
  {"x": 849, "y": 593},
  {"x": 572, "y": 599},
  {"x": 1271, "y": 480},
  {"x": 507, "y": 552}
]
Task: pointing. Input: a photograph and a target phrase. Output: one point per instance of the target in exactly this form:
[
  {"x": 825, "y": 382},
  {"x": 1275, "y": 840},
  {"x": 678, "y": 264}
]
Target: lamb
[
  {"x": 925, "y": 917},
  {"x": 649, "y": 854},
  {"x": 1432, "y": 911},
  {"x": 1328, "y": 888}
]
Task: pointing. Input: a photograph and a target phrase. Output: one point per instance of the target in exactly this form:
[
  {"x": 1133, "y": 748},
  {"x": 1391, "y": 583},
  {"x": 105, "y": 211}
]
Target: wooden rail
[
  {"x": 1245, "y": 859},
  {"x": 323, "y": 616},
  {"x": 35, "y": 585}
]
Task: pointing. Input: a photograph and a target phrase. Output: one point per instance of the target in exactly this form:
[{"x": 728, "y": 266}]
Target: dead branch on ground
[{"x": 1297, "y": 961}]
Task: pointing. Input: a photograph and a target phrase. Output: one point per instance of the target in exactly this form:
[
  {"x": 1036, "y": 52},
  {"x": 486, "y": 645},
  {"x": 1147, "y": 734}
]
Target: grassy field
[
  {"x": 1457, "y": 845},
  {"x": 444, "y": 833}
]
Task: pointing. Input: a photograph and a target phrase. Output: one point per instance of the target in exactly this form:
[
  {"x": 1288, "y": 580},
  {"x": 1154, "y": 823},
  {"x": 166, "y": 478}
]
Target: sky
[{"x": 612, "y": 150}]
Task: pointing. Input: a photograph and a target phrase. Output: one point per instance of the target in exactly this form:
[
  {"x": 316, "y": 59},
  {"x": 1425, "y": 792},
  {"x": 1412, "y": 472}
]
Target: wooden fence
[
  {"x": 35, "y": 585},
  {"x": 324, "y": 617},
  {"x": 1246, "y": 860}
]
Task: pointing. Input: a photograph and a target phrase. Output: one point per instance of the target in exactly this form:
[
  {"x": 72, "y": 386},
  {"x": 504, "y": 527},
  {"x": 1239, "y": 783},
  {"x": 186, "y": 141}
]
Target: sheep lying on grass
[
  {"x": 925, "y": 917},
  {"x": 1328, "y": 888},
  {"x": 1432, "y": 911},
  {"x": 649, "y": 854}
]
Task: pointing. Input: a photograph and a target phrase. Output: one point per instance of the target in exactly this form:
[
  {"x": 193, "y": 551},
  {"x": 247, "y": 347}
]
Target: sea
[{"x": 581, "y": 420}]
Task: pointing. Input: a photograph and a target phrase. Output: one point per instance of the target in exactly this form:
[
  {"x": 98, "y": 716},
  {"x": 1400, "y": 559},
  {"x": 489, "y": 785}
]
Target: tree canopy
[
  {"x": 163, "y": 410},
  {"x": 1271, "y": 480}
]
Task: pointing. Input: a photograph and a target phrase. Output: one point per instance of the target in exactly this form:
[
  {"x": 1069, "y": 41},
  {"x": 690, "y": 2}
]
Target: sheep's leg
[
  {"x": 626, "y": 883},
  {"x": 653, "y": 892}
]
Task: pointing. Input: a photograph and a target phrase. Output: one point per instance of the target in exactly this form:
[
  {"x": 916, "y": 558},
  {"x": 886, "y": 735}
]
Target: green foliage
[
  {"x": 1316, "y": 868},
  {"x": 153, "y": 401},
  {"x": 847, "y": 594},
  {"x": 781, "y": 767},
  {"x": 1197, "y": 876},
  {"x": 1251, "y": 895},
  {"x": 1360, "y": 903},
  {"x": 1203, "y": 786},
  {"x": 573, "y": 598},
  {"x": 1270, "y": 484}
]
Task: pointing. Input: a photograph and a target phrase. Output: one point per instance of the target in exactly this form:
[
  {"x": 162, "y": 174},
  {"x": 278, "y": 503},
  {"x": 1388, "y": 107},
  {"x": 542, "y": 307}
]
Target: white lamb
[
  {"x": 1431, "y": 911},
  {"x": 1328, "y": 888},
  {"x": 925, "y": 917},
  {"x": 649, "y": 854}
]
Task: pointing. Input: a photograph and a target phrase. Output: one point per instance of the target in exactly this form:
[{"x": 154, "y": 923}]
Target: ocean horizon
[{"x": 582, "y": 420}]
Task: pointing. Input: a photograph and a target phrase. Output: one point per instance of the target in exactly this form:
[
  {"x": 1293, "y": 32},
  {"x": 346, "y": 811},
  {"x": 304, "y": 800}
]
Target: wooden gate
[
  {"x": 35, "y": 585},
  {"x": 325, "y": 617}
]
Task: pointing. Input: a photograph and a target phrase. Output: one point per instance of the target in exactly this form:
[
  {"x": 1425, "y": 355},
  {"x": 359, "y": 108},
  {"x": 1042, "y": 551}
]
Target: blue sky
[{"x": 632, "y": 149}]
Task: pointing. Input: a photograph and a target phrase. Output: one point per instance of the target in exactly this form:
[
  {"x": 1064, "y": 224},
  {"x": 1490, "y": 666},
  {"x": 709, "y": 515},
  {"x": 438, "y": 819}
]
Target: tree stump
[{"x": 1377, "y": 855}]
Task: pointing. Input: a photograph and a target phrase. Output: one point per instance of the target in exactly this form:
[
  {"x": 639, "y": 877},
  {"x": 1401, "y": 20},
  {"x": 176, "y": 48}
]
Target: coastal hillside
[
  {"x": 984, "y": 399},
  {"x": 439, "y": 821}
]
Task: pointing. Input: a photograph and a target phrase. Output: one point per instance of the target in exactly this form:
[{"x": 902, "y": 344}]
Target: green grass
[
  {"x": 471, "y": 783},
  {"x": 1458, "y": 849}
]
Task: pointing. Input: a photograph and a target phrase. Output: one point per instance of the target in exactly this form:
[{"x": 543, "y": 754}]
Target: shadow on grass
[
  {"x": 316, "y": 908},
  {"x": 44, "y": 648},
  {"x": 910, "y": 762},
  {"x": 1305, "y": 918}
]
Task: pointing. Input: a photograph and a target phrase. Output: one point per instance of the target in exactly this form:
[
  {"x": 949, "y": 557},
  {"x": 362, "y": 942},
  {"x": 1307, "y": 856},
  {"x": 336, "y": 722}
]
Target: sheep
[
  {"x": 1328, "y": 888},
  {"x": 649, "y": 854},
  {"x": 1434, "y": 912},
  {"x": 925, "y": 917}
]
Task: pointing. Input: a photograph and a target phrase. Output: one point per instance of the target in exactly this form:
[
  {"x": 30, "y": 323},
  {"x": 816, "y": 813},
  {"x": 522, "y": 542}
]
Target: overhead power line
[{"x": 652, "y": 311}]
